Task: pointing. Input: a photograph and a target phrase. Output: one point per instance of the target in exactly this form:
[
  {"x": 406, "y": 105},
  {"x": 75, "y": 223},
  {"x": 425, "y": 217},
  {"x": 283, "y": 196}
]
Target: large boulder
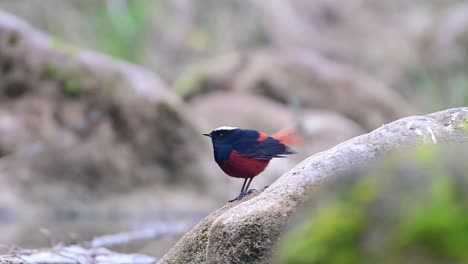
[
  {"x": 246, "y": 232},
  {"x": 86, "y": 125}
]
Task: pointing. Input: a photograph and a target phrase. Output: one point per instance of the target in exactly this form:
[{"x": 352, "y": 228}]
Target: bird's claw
[
  {"x": 250, "y": 191},
  {"x": 241, "y": 195}
]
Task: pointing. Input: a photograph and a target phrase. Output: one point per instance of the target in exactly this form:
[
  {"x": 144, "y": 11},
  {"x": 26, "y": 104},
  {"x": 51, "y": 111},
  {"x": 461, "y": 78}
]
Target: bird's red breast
[{"x": 240, "y": 166}]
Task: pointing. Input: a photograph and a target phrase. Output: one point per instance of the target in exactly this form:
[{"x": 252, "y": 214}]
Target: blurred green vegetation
[
  {"x": 120, "y": 31},
  {"x": 410, "y": 208},
  {"x": 441, "y": 88},
  {"x": 71, "y": 88}
]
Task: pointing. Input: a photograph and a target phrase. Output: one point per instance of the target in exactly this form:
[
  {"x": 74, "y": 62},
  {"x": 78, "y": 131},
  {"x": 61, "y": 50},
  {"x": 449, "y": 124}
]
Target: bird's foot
[
  {"x": 250, "y": 191},
  {"x": 241, "y": 195}
]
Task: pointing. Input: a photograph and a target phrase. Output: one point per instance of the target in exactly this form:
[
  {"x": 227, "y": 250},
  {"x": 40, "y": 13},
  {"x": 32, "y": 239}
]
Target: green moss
[
  {"x": 331, "y": 237},
  {"x": 63, "y": 46},
  {"x": 424, "y": 154},
  {"x": 189, "y": 83},
  {"x": 119, "y": 33},
  {"x": 14, "y": 39},
  {"x": 332, "y": 234},
  {"x": 461, "y": 124},
  {"x": 364, "y": 191},
  {"x": 440, "y": 225},
  {"x": 71, "y": 88},
  {"x": 50, "y": 71}
]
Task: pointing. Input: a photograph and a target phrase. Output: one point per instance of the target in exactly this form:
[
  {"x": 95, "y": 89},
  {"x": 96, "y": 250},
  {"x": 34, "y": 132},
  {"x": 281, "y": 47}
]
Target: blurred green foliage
[
  {"x": 64, "y": 46},
  {"x": 189, "y": 81},
  {"x": 71, "y": 88},
  {"x": 119, "y": 31},
  {"x": 50, "y": 71},
  {"x": 410, "y": 208},
  {"x": 441, "y": 87}
]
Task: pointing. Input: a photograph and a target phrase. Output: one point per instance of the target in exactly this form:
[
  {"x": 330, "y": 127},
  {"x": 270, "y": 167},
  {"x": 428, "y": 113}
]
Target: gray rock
[{"x": 246, "y": 231}]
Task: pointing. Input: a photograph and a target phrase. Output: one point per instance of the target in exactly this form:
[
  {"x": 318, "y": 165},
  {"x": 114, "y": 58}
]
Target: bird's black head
[
  {"x": 222, "y": 134},
  {"x": 223, "y": 139}
]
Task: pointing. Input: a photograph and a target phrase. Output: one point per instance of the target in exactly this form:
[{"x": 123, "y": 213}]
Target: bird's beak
[{"x": 208, "y": 135}]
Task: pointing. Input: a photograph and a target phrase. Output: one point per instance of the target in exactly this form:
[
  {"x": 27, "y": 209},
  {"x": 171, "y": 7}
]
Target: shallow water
[{"x": 158, "y": 230}]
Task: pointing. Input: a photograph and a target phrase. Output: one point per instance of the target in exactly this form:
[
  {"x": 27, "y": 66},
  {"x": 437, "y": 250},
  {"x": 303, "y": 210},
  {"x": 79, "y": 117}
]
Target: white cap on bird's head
[
  {"x": 221, "y": 128},
  {"x": 225, "y": 128}
]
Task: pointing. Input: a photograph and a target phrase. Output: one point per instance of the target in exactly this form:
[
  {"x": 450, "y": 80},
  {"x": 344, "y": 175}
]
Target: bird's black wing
[{"x": 265, "y": 149}]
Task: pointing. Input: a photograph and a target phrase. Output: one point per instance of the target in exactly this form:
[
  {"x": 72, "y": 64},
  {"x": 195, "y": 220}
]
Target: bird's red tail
[{"x": 289, "y": 137}]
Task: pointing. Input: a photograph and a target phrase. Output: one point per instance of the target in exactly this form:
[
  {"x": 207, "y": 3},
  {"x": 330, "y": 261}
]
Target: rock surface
[{"x": 246, "y": 231}]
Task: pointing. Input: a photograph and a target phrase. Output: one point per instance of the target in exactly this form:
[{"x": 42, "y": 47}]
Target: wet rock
[{"x": 249, "y": 230}]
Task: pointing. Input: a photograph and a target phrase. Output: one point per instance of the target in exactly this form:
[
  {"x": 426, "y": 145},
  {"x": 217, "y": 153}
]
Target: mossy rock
[{"x": 409, "y": 208}]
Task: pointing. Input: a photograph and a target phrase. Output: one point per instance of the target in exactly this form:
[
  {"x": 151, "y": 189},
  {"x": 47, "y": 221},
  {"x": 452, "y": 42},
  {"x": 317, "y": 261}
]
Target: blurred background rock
[{"x": 74, "y": 153}]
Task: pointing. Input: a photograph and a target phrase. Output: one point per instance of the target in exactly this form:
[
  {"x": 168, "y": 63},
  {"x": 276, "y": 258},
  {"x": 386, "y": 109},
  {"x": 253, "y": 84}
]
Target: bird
[{"x": 245, "y": 153}]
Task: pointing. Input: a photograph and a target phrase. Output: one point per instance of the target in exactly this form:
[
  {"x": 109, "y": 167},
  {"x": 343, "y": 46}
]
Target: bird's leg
[
  {"x": 242, "y": 193},
  {"x": 243, "y": 185},
  {"x": 247, "y": 191}
]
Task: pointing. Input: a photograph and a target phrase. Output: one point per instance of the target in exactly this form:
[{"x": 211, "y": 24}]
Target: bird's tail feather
[{"x": 288, "y": 137}]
